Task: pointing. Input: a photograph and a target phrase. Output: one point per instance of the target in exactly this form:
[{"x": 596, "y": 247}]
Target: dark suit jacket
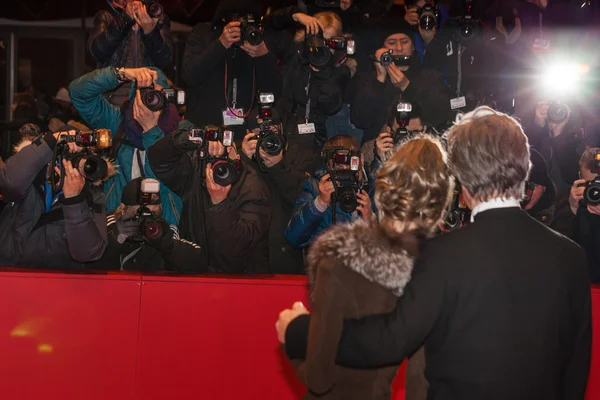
[{"x": 502, "y": 305}]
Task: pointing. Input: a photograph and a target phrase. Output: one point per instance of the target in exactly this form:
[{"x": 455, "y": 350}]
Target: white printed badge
[
  {"x": 233, "y": 116},
  {"x": 304, "y": 129},
  {"x": 541, "y": 44},
  {"x": 458, "y": 102}
]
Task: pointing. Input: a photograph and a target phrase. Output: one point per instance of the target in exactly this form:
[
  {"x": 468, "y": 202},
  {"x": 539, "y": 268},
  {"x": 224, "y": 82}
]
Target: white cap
[{"x": 63, "y": 95}]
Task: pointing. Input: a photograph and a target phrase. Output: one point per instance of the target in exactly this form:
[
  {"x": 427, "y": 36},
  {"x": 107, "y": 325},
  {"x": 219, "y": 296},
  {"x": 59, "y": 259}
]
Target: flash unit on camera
[
  {"x": 404, "y": 107},
  {"x": 227, "y": 138},
  {"x": 354, "y": 163},
  {"x": 350, "y": 47},
  {"x": 267, "y": 98}
]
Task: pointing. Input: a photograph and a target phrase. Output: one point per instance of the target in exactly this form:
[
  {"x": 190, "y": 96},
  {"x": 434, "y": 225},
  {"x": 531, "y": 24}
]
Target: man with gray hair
[{"x": 503, "y": 306}]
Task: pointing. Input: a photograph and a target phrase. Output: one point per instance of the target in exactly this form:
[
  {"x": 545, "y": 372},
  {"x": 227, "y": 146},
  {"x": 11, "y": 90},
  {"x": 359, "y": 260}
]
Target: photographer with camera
[
  {"x": 135, "y": 34},
  {"x": 398, "y": 75},
  {"x": 139, "y": 239},
  {"x": 339, "y": 192},
  {"x": 226, "y": 208},
  {"x": 225, "y": 63},
  {"x": 584, "y": 203},
  {"x": 136, "y": 126},
  {"x": 282, "y": 167},
  {"x": 55, "y": 216},
  {"x": 426, "y": 16}
]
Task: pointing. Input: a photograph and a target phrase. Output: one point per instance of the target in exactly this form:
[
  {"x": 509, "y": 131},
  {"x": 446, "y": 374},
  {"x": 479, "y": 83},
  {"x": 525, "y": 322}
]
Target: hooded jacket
[
  {"x": 237, "y": 229},
  {"x": 354, "y": 270},
  {"x": 206, "y": 60},
  {"x": 71, "y": 232},
  {"x": 86, "y": 95}
]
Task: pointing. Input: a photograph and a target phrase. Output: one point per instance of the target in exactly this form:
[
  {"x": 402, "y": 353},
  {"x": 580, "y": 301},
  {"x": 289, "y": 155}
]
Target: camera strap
[
  {"x": 140, "y": 163},
  {"x": 459, "y": 101},
  {"x": 234, "y": 92},
  {"x": 307, "y": 127}
]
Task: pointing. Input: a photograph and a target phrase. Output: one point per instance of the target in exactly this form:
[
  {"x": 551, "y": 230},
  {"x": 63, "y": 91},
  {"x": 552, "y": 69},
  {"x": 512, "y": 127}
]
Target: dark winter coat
[
  {"x": 355, "y": 270},
  {"x": 237, "y": 229},
  {"x": 72, "y": 232}
]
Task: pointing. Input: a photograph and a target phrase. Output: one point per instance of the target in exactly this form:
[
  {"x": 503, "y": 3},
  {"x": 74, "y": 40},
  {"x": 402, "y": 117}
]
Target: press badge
[
  {"x": 541, "y": 44},
  {"x": 233, "y": 116},
  {"x": 304, "y": 129},
  {"x": 458, "y": 102}
]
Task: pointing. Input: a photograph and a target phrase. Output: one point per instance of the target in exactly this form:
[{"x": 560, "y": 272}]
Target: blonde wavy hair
[
  {"x": 327, "y": 19},
  {"x": 414, "y": 188}
]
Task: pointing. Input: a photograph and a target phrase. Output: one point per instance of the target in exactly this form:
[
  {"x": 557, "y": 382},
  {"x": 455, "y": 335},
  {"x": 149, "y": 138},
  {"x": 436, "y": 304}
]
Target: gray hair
[{"x": 489, "y": 154}]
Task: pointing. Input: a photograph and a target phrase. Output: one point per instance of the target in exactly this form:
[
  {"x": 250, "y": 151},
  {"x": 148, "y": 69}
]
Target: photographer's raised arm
[
  {"x": 202, "y": 55},
  {"x": 19, "y": 171},
  {"x": 171, "y": 163},
  {"x": 306, "y": 217},
  {"x": 108, "y": 34},
  {"x": 159, "y": 44}
]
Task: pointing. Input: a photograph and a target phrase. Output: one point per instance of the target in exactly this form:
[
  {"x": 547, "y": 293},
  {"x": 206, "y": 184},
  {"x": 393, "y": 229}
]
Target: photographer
[
  {"x": 425, "y": 20},
  {"x": 134, "y": 127},
  {"x": 586, "y": 224},
  {"x": 230, "y": 219},
  {"x": 139, "y": 239},
  {"x": 372, "y": 94},
  {"x": 223, "y": 71},
  {"x": 314, "y": 208},
  {"x": 283, "y": 173},
  {"x": 540, "y": 192},
  {"x": 131, "y": 36},
  {"x": 44, "y": 227}
]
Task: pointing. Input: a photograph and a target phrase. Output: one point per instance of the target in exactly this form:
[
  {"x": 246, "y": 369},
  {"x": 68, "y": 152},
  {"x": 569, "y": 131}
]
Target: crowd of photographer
[{"x": 255, "y": 170}]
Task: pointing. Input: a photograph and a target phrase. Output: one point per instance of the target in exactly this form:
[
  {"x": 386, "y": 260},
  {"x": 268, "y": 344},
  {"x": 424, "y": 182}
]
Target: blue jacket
[
  {"x": 86, "y": 96},
  {"x": 307, "y": 221},
  {"x": 420, "y": 45}
]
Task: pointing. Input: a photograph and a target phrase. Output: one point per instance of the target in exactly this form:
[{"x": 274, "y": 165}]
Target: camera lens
[
  {"x": 466, "y": 32},
  {"x": 272, "y": 144},
  {"x": 254, "y": 36},
  {"x": 319, "y": 56},
  {"x": 154, "y": 9},
  {"x": 347, "y": 199},
  {"x": 224, "y": 173},
  {"x": 94, "y": 168},
  {"x": 592, "y": 193},
  {"x": 386, "y": 59},
  {"x": 453, "y": 221},
  {"x": 154, "y": 100},
  {"x": 557, "y": 113},
  {"x": 152, "y": 229}
]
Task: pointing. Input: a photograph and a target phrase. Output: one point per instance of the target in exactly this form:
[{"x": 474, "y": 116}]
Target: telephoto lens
[
  {"x": 226, "y": 172},
  {"x": 92, "y": 168},
  {"x": 557, "y": 113},
  {"x": 154, "y": 100},
  {"x": 318, "y": 53}
]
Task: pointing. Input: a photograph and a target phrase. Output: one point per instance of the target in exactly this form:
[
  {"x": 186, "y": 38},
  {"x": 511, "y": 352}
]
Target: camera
[
  {"x": 270, "y": 138},
  {"x": 317, "y": 49},
  {"x": 211, "y": 134},
  {"x": 428, "y": 16},
  {"x": 99, "y": 138},
  {"x": 156, "y": 100},
  {"x": 557, "y": 113},
  {"x": 151, "y": 225},
  {"x": 458, "y": 214},
  {"x": 225, "y": 171},
  {"x": 251, "y": 28},
  {"x": 388, "y": 58},
  {"x": 467, "y": 26},
  {"x": 403, "y": 115},
  {"x": 154, "y": 9},
  {"x": 92, "y": 167},
  {"x": 346, "y": 181},
  {"x": 591, "y": 194}
]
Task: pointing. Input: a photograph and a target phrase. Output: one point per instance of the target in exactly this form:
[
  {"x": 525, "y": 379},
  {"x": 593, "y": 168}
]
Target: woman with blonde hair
[{"x": 360, "y": 269}]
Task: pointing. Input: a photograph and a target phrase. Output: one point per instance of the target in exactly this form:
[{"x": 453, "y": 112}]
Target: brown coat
[{"x": 355, "y": 271}]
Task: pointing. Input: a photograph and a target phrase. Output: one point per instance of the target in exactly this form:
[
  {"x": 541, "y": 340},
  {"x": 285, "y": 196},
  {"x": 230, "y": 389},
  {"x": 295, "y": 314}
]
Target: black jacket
[
  {"x": 204, "y": 63},
  {"x": 169, "y": 253},
  {"x": 71, "y": 233},
  {"x": 502, "y": 305},
  {"x": 113, "y": 43},
  {"x": 284, "y": 181},
  {"x": 587, "y": 234},
  {"x": 237, "y": 228},
  {"x": 371, "y": 101}
]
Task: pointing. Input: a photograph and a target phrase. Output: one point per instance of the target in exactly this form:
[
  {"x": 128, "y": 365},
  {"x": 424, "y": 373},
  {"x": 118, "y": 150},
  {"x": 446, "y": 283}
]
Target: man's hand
[
  {"x": 383, "y": 144},
  {"x": 576, "y": 195},
  {"x": 311, "y": 24},
  {"x": 127, "y": 227},
  {"x": 216, "y": 192},
  {"x": 412, "y": 16},
  {"x": 397, "y": 77},
  {"x": 364, "y": 205},
  {"x": 287, "y": 316},
  {"x": 381, "y": 70},
  {"x": 352, "y": 65},
  {"x": 231, "y": 34},
  {"x": 255, "y": 51},
  {"x": 215, "y": 149},
  {"x": 146, "y": 118},
  {"x": 73, "y": 182},
  {"x": 541, "y": 113},
  {"x": 144, "y": 20},
  {"x": 249, "y": 143},
  {"x": 268, "y": 160},
  {"x": 594, "y": 209},
  {"x": 325, "y": 189},
  {"x": 143, "y": 76}
]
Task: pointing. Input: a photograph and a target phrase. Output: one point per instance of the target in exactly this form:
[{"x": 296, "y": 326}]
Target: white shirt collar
[{"x": 494, "y": 204}]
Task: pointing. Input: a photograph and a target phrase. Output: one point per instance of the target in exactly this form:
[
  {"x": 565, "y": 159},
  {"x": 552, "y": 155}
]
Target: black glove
[
  {"x": 181, "y": 137},
  {"x": 127, "y": 227},
  {"x": 165, "y": 242}
]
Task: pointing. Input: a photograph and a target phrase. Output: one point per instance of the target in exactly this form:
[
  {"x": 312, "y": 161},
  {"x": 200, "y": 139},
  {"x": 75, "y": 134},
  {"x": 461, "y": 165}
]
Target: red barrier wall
[{"x": 124, "y": 336}]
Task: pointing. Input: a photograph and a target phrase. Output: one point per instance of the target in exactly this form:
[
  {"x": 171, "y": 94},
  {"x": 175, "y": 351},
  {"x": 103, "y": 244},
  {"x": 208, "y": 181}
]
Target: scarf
[{"x": 167, "y": 122}]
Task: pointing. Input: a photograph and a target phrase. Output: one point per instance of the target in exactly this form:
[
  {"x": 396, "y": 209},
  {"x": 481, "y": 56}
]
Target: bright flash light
[{"x": 564, "y": 78}]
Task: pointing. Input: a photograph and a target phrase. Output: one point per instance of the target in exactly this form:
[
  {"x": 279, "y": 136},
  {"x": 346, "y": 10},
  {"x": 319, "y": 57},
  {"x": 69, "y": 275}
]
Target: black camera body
[
  {"x": 428, "y": 16},
  {"x": 346, "y": 182},
  {"x": 557, "y": 112},
  {"x": 157, "y": 100},
  {"x": 89, "y": 165},
  {"x": 92, "y": 167},
  {"x": 270, "y": 138},
  {"x": 591, "y": 194},
  {"x": 225, "y": 170},
  {"x": 317, "y": 50},
  {"x": 250, "y": 27},
  {"x": 154, "y": 9},
  {"x": 151, "y": 225},
  {"x": 201, "y": 137},
  {"x": 404, "y": 111},
  {"x": 388, "y": 58},
  {"x": 459, "y": 214},
  {"x": 468, "y": 27},
  {"x": 327, "y": 3}
]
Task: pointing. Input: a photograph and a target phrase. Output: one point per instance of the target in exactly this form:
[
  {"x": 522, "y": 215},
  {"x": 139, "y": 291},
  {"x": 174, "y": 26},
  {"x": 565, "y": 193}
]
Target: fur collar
[{"x": 366, "y": 249}]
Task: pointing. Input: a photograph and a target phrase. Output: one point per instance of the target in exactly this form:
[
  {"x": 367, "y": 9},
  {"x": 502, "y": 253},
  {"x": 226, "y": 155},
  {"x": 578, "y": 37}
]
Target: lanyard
[
  {"x": 541, "y": 28},
  {"x": 235, "y": 90},
  {"x": 307, "y": 88},
  {"x": 50, "y": 201},
  {"x": 459, "y": 68}
]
